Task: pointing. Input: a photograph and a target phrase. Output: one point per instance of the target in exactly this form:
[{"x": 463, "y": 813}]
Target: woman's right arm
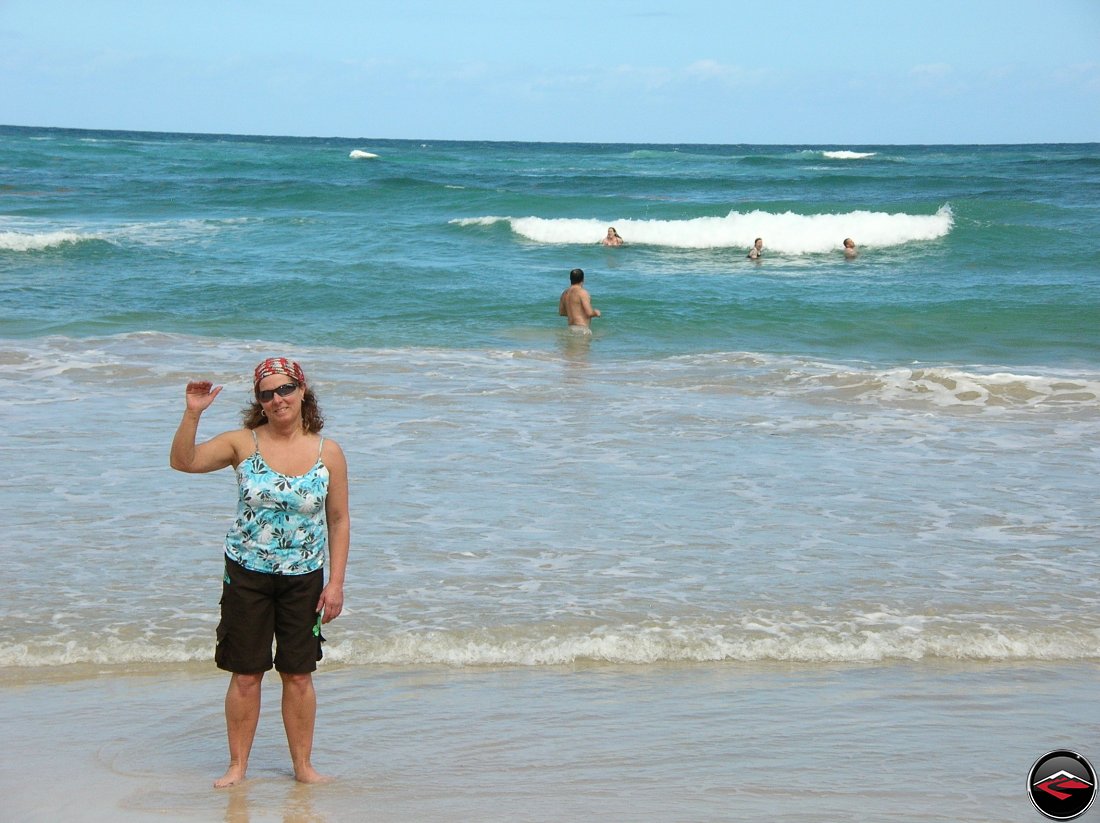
[{"x": 212, "y": 455}]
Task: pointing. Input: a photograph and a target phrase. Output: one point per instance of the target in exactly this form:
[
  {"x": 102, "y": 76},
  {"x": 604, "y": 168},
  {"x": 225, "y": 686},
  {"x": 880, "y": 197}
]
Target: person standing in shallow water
[
  {"x": 292, "y": 510},
  {"x": 575, "y": 304}
]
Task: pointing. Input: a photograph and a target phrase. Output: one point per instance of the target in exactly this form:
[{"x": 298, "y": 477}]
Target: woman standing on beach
[{"x": 292, "y": 506}]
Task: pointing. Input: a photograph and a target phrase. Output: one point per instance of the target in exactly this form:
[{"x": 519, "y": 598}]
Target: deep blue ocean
[{"x": 969, "y": 254}]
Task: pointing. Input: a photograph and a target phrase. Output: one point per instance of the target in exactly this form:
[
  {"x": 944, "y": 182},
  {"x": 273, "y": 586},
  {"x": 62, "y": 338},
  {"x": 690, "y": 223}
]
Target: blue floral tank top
[{"x": 280, "y": 526}]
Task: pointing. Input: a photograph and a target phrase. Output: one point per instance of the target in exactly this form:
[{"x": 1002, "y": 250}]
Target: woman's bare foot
[
  {"x": 308, "y": 774},
  {"x": 233, "y": 775}
]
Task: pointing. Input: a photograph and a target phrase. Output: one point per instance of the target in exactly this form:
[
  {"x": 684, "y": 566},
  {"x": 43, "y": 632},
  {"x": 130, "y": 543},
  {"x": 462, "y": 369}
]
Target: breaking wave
[
  {"x": 865, "y": 639},
  {"x": 783, "y": 232}
]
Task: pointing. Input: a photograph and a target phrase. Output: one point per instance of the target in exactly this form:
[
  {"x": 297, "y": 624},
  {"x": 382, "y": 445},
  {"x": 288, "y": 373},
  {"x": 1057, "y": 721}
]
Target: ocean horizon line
[{"x": 245, "y": 136}]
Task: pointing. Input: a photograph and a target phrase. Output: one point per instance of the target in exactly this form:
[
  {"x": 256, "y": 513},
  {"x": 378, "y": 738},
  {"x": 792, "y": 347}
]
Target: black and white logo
[{"x": 1062, "y": 785}]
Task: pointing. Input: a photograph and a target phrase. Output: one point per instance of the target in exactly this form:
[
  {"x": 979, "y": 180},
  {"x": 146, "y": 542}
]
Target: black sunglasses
[{"x": 284, "y": 390}]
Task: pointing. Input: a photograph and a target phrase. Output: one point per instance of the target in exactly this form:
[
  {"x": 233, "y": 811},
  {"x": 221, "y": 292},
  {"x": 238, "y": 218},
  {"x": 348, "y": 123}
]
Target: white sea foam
[
  {"x": 27, "y": 236},
  {"x": 951, "y": 387},
  {"x": 847, "y": 155},
  {"x": 20, "y": 241},
  {"x": 105, "y": 651},
  {"x": 943, "y": 387},
  {"x": 60, "y": 365},
  {"x": 783, "y": 232},
  {"x": 648, "y": 646},
  {"x": 359, "y": 154},
  {"x": 753, "y": 641}
]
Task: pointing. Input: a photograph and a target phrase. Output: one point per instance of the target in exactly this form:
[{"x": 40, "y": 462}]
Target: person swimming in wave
[
  {"x": 576, "y": 304},
  {"x": 757, "y": 250},
  {"x": 850, "y": 248},
  {"x": 612, "y": 238}
]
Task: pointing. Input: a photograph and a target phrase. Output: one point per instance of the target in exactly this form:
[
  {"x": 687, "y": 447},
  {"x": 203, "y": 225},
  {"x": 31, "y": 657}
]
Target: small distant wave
[
  {"x": 755, "y": 157},
  {"x": 34, "y": 237},
  {"x": 359, "y": 154},
  {"x": 681, "y": 155},
  {"x": 14, "y": 241},
  {"x": 24, "y": 242},
  {"x": 847, "y": 155},
  {"x": 784, "y": 233},
  {"x": 830, "y": 154},
  {"x": 655, "y": 154}
]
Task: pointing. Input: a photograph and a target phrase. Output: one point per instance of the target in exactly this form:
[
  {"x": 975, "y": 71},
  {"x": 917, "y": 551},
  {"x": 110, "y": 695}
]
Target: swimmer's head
[{"x": 576, "y": 276}]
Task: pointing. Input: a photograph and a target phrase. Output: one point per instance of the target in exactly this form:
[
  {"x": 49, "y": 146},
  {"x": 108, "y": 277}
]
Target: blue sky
[{"x": 775, "y": 71}]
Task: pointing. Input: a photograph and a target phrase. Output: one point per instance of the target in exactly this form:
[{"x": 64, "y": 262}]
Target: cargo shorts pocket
[{"x": 320, "y": 637}]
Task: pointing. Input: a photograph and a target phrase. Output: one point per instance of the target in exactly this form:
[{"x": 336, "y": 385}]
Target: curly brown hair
[{"x": 312, "y": 420}]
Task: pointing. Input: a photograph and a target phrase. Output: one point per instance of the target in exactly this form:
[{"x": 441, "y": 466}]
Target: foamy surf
[
  {"x": 783, "y": 232},
  {"x": 59, "y": 365},
  {"x": 24, "y": 242},
  {"x": 655, "y": 645},
  {"x": 938, "y": 387},
  {"x": 359, "y": 154},
  {"x": 860, "y": 639},
  {"x": 847, "y": 155},
  {"x": 32, "y": 237}
]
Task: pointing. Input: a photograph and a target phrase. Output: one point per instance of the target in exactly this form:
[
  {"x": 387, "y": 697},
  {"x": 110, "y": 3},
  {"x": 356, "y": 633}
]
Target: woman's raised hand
[{"x": 200, "y": 394}]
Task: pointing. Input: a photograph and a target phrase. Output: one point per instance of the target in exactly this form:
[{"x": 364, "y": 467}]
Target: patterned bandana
[{"x": 278, "y": 365}]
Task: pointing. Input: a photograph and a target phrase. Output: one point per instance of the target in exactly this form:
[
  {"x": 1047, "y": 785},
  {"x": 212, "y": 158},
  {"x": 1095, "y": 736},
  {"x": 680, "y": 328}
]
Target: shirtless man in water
[{"x": 576, "y": 304}]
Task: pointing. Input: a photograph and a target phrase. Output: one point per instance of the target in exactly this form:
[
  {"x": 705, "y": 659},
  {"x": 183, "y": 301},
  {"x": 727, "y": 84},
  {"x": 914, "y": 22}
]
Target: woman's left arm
[{"x": 339, "y": 531}]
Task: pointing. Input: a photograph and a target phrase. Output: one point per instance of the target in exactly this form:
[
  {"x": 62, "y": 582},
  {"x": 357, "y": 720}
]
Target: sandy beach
[{"x": 664, "y": 743}]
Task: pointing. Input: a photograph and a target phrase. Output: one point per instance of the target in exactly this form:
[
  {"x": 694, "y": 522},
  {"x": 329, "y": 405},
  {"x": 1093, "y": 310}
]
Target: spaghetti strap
[
  {"x": 320, "y": 447},
  {"x": 255, "y": 440}
]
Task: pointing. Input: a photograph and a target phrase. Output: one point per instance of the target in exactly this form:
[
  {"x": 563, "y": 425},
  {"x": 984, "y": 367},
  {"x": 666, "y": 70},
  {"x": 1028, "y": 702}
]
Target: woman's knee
[
  {"x": 302, "y": 682},
  {"x": 246, "y": 683}
]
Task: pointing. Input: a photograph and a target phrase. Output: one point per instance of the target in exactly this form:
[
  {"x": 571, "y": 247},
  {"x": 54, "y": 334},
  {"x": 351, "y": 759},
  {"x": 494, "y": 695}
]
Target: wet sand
[{"x": 950, "y": 742}]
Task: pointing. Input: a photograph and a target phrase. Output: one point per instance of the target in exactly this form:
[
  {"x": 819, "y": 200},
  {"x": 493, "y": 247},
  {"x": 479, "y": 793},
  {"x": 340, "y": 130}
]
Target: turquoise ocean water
[{"x": 787, "y": 480}]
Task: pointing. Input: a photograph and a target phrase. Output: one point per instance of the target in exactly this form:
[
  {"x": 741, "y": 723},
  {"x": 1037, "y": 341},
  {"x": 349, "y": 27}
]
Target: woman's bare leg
[
  {"x": 242, "y": 714},
  {"x": 299, "y": 718}
]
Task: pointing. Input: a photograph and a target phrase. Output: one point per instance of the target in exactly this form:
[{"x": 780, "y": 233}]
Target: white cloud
[
  {"x": 652, "y": 77},
  {"x": 931, "y": 71},
  {"x": 1083, "y": 75},
  {"x": 708, "y": 69}
]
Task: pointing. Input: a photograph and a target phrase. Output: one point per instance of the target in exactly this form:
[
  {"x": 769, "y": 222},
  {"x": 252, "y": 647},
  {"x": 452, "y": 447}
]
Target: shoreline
[{"x": 654, "y": 743}]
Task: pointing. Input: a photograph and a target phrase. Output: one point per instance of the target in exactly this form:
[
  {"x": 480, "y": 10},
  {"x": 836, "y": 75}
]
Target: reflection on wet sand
[{"x": 297, "y": 804}]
